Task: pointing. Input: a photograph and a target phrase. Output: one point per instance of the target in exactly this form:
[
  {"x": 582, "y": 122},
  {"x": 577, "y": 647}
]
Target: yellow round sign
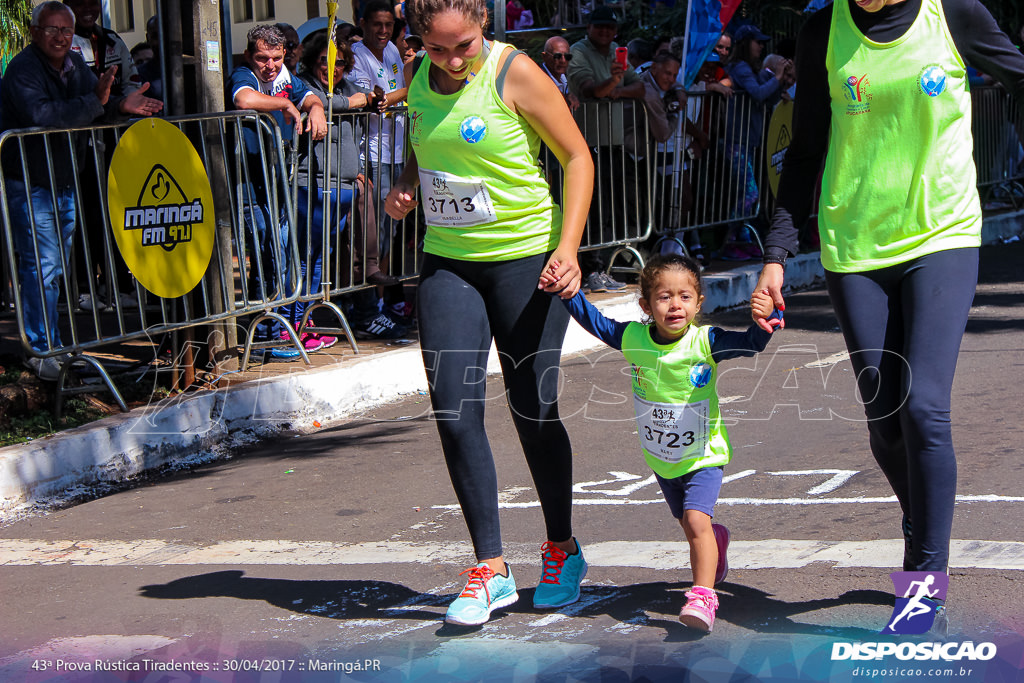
[
  {"x": 161, "y": 208},
  {"x": 779, "y": 135}
]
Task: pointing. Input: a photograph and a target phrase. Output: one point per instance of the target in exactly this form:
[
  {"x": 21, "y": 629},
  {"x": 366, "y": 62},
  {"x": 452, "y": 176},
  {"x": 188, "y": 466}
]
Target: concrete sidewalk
[{"x": 193, "y": 428}]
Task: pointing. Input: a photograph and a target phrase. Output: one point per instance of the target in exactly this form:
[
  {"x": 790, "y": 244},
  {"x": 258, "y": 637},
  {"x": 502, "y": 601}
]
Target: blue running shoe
[
  {"x": 484, "y": 592},
  {"x": 561, "y": 577}
]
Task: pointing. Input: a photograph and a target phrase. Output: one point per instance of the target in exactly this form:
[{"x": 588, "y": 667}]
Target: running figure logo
[{"x": 921, "y": 592}]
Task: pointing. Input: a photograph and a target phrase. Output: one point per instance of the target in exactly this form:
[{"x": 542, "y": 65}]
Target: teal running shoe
[
  {"x": 561, "y": 577},
  {"x": 485, "y": 592}
]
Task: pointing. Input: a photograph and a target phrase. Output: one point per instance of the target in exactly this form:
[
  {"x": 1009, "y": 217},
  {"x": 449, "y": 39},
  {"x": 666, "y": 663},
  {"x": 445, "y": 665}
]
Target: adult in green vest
[
  {"x": 478, "y": 112},
  {"x": 884, "y": 99}
]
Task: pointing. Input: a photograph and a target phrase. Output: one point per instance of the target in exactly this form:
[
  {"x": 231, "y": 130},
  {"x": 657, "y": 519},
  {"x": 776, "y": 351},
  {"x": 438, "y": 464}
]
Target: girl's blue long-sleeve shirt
[{"x": 725, "y": 344}]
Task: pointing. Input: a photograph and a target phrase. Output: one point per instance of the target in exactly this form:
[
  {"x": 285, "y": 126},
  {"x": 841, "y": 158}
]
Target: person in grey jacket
[{"x": 341, "y": 177}]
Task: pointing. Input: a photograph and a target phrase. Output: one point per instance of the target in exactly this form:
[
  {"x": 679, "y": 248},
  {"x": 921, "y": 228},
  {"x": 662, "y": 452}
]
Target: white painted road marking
[
  {"x": 985, "y": 498},
  {"x": 766, "y": 554}
]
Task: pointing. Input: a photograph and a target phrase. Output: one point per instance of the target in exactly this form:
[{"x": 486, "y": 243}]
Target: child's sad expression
[{"x": 673, "y": 303}]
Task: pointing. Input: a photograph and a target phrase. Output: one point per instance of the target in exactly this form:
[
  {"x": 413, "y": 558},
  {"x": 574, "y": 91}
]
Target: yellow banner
[{"x": 161, "y": 208}]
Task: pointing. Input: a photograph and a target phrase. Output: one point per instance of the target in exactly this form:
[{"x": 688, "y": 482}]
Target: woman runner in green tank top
[
  {"x": 884, "y": 98},
  {"x": 478, "y": 112}
]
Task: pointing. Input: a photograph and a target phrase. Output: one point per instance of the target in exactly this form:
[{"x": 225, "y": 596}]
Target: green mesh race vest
[
  {"x": 483, "y": 194},
  {"x": 899, "y": 178},
  {"x": 676, "y": 400}
]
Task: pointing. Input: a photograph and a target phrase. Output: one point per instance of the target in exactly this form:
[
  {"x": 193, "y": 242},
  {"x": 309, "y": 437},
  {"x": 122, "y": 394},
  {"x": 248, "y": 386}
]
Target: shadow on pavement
[{"x": 646, "y": 604}]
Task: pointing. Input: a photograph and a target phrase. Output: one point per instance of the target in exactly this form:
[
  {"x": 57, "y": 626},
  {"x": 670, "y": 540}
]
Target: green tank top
[
  {"x": 899, "y": 178},
  {"x": 483, "y": 194},
  {"x": 676, "y": 400}
]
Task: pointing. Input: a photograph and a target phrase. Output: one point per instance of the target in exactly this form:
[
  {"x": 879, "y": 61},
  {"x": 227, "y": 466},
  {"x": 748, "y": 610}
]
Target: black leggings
[
  {"x": 903, "y": 326},
  {"x": 462, "y": 305}
]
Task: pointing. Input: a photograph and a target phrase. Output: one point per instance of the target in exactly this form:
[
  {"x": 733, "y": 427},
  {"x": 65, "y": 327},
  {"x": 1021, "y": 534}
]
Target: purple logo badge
[{"x": 917, "y": 594}]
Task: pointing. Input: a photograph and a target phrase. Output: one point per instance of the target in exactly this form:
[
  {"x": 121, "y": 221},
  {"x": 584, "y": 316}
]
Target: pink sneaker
[
  {"x": 326, "y": 340},
  {"x": 700, "y": 608},
  {"x": 722, "y": 541},
  {"x": 307, "y": 340}
]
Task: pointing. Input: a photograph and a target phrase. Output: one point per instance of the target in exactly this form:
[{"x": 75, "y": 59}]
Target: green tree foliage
[{"x": 15, "y": 17}]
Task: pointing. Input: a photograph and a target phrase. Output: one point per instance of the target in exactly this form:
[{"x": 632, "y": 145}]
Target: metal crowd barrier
[
  {"x": 353, "y": 239},
  {"x": 998, "y": 134},
  {"x": 100, "y": 304},
  {"x": 620, "y": 211},
  {"x": 713, "y": 187}
]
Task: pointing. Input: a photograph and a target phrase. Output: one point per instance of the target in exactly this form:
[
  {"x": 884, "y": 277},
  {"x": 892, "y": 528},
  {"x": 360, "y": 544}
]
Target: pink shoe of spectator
[
  {"x": 326, "y": 340},
  {"x": 309, "y": 343}
]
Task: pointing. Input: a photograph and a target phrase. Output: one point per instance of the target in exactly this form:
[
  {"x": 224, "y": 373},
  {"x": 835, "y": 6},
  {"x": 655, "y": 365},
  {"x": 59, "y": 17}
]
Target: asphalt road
[{"x": 332, "y": 555}]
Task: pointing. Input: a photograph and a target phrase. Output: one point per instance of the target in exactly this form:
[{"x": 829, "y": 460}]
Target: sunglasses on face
[
  {"x": 338, "y": 63},
  {"x": 290, "y": 45},
  {"x": 567, "y": 56}
]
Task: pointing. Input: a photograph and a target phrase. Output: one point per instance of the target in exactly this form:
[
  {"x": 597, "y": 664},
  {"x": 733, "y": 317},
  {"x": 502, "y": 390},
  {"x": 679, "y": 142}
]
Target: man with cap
[{"x": 595, "y": 75}]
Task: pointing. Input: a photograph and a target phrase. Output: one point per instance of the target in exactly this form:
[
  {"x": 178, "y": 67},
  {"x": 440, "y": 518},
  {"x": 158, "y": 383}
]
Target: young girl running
[{"x": 674, "y": 362}]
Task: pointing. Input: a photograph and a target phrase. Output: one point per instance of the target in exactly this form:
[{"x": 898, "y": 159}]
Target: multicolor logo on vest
[
  {"x": 933, "y": 80},
  {"x": 700, "y": 375},
  {"x": 473, "y": 129},
  {"x": 857, "y": 95},
  {"x": 415, "y": 119},
  {"x": 640, "y": 381},
  {"x": 916, "y": 596}
]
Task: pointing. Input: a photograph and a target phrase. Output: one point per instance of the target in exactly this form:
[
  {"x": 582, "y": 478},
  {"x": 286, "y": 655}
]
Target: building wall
[{"x": 128, "y": 17}]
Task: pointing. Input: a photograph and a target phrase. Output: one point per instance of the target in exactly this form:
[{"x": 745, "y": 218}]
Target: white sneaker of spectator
[
  {"x": 47, "y": 369},
  {"x": 127, "y": 300},
  {"x": 86, "y": 303}
]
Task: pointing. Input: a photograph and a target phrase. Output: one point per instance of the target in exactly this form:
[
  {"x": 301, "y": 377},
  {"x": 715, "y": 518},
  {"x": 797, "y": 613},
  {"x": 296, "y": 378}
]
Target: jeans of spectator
[
  {"x": 309, "y": 239},
  {"x": 741, "y": 163},
  {"x": 383, "y": 175},
  {"x": 269, "y": 269},
  {"x": 53, "y": 214}
]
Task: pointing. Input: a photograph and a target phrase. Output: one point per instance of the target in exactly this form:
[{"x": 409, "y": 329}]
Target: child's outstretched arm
[
  {"x": 726, "y": 344},
  {"x": 593, "y": 321}
]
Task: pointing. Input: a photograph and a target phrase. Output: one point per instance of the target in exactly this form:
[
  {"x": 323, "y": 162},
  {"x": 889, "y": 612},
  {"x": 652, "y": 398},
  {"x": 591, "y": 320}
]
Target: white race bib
[
  {"x": 672, "y": 432},
  {"x": 450, "y": 201}
]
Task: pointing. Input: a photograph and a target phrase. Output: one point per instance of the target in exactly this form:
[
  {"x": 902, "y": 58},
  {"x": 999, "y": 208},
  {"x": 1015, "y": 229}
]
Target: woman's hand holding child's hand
[{"x": 762, "y": 306}]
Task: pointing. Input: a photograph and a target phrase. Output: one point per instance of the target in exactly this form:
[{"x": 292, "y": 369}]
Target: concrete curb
[{"x": 195, "y": 428}]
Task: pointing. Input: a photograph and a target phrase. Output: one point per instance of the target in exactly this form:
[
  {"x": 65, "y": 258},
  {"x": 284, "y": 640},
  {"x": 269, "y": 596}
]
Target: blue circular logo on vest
[
  {"x": 700, "y": 375},
  {"x": 473, "y": 129},
  {"x": 933, "y": 80}
]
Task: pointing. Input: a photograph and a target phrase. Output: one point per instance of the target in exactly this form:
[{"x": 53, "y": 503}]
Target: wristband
[{"x": 781, "y": 260}]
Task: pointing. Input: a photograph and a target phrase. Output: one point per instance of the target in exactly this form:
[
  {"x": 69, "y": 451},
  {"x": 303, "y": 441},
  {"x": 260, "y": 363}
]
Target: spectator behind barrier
[
  {"x": 378, "y": 63},
  {"x": 151, "y": 72},
  {"x": 46, "y": 85},
  {"x": 101, "y": 49},
  {"x": 594, "y": 74},
  {"x": 264, "y": 84},
  {"x": 292, "y": 46},
  {"x": 745, "y": 123},
  {"x": 555, "y": 60},
  {"x": 347, "y": 183}
]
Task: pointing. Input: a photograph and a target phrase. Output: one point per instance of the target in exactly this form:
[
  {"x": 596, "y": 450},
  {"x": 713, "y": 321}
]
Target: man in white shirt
[
  {"x": 379, "y": 63},
  {"x": 555, "y": 59}
]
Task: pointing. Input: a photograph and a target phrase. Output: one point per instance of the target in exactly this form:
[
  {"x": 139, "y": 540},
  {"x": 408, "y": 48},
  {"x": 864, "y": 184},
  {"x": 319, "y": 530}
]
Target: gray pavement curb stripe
[{"x": 766, "y": 554}]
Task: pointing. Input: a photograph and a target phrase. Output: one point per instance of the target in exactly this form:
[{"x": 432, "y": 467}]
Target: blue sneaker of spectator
[
  {"x": 561, "y": 577},
  {"x": 484, "y": 592}
]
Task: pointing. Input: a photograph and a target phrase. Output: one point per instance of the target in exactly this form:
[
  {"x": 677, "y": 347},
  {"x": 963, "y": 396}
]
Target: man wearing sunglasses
[{"x": 555, "y": 60}]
